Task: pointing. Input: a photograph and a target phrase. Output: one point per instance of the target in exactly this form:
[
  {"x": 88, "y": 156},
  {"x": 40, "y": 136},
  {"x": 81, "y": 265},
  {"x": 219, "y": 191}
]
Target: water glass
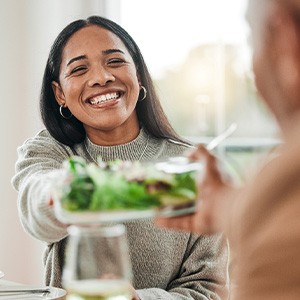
[{"x": 97, "y": 264}]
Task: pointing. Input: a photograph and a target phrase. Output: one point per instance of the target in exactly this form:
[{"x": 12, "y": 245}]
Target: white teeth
[{"x": 103, "y": 98}]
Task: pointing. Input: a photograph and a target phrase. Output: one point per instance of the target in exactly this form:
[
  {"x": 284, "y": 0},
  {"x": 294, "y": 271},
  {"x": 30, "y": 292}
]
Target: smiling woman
[{"x": 96, "y": 71}]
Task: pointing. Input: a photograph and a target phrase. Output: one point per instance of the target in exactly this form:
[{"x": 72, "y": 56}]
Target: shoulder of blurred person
[{"x": 266, "y": 232}]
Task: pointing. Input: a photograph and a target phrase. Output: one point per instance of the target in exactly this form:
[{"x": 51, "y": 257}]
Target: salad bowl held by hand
[{"x": 118, "y": 191}]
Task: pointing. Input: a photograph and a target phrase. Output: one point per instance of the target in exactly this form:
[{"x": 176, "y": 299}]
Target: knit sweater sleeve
[
  {"x": 39, "y": 160},
  {"x": 203, "y": 273}
]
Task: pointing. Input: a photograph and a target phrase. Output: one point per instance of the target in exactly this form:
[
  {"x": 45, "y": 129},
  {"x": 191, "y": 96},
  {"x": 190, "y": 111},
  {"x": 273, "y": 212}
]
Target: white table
[{"x": 55, "y": 293}]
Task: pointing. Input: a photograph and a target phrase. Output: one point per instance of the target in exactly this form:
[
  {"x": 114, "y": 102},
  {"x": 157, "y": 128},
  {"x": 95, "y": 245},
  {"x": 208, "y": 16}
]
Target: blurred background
[{"x": 198, "y": 54}]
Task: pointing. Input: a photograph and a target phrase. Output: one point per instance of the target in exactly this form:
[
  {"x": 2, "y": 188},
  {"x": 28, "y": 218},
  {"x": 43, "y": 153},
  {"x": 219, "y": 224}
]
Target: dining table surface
[{"x": 10, "y": 290}]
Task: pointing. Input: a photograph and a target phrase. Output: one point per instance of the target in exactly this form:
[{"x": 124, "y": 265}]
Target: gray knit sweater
[{"x": 166, "y": 264}]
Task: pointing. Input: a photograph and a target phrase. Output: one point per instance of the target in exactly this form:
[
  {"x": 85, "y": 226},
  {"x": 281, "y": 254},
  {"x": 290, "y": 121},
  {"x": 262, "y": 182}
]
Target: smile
[{"x": 104, "y": 98}]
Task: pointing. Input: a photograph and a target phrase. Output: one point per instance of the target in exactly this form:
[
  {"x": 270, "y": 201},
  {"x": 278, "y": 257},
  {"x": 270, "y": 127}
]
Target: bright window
[{"x": 198, "y": 55}]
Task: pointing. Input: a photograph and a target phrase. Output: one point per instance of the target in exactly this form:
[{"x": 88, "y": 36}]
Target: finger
[{"x": 200, "y": 152}]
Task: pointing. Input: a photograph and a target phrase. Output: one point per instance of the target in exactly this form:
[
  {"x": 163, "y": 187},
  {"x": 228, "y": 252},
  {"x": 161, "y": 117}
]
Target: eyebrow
[
  {"x": 81, "y": 57},
  {"x": 109, "y": 51}
]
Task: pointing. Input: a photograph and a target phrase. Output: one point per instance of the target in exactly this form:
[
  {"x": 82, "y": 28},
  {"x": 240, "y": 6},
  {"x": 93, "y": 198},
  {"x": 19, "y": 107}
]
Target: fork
[{"x": 181, "y": 164}]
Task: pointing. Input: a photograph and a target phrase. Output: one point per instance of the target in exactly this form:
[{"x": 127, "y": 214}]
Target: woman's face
[{"x": 98, "y": 81}]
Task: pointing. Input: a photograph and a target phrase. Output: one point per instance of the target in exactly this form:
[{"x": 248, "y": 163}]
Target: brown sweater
[{"x": 166, "y": 264}]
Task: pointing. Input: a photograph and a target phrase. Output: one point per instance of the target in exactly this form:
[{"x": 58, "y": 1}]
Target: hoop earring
[
  {"x": 62, "y": 114},
  {"x": 144, "y": 93}
]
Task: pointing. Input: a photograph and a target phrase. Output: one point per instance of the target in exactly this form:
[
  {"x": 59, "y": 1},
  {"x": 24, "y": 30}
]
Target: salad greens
[{"x": 122, "y": 185}]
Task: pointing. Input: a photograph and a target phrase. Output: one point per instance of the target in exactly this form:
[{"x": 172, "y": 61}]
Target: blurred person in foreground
[
  {"x": 98, "y": 99},
  {"x": 261, "y": 219}
]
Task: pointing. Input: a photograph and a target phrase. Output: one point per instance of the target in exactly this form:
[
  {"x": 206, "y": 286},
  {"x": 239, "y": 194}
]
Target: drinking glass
[{"x": 97, "y": 264}]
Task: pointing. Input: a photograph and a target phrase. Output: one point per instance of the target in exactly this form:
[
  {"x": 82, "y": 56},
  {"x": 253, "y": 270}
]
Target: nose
[{"x": 100, "y": 76}]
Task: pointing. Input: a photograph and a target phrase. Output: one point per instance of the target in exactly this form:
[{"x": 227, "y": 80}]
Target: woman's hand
[{"x": 215, "y": 193}]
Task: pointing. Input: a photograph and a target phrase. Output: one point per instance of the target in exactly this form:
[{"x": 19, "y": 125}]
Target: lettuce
[{"x": 122, "y": 185}]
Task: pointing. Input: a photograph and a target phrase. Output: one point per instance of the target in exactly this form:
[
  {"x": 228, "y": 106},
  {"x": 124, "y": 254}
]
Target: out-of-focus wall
[{"x": 27, "y": 30}]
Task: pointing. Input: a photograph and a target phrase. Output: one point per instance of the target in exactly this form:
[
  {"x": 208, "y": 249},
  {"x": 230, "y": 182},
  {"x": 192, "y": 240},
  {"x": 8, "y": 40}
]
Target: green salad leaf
[{"x": 122, "y": 185}]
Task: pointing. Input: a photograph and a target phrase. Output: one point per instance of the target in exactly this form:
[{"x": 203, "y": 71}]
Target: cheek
[
  {"x": 71, "y": 89},
  {"x": 133, "y": 82},
  {"x": 132, "y": 76}
]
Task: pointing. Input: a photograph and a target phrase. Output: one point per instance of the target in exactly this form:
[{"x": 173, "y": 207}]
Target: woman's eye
[
  {"x": 116, "y": 61},
  {"x": 78, "y": 70}
]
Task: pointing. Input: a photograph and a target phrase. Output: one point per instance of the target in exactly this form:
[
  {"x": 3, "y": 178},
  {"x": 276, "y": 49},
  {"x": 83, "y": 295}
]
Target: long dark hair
[{"x": 71, "y": 131}]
